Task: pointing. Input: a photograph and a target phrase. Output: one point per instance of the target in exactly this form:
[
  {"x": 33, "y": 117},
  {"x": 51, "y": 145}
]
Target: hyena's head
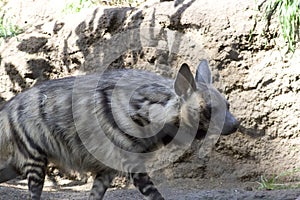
[{"x": 202, "y": 101}]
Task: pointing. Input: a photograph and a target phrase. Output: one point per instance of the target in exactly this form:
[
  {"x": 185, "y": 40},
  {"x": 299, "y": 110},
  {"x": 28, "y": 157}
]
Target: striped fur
[{"x": 58, "y": 120}]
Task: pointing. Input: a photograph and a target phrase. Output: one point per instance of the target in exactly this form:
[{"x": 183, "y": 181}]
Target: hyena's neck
[
  {"x": 168, "y": 119},
  {"x": 149, "y": 118}
]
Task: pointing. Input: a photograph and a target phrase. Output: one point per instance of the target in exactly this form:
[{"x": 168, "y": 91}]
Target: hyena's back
[
  {"x": 38, "y": 125},
  {"x": 40, "y": 121}
]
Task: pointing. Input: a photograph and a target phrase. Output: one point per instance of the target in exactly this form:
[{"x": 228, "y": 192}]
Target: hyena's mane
[{"x": 125, "y": 104}]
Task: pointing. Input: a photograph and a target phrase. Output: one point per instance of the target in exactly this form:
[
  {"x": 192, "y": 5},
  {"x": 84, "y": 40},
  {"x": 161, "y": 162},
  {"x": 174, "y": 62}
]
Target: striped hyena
[{"x": 58, "y": 121}]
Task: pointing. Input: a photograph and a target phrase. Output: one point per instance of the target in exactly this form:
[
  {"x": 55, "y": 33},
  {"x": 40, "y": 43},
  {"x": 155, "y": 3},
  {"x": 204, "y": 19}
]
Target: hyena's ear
[
  {"x": 184, "y": 83},
  {"x": 203, "y": 73}
]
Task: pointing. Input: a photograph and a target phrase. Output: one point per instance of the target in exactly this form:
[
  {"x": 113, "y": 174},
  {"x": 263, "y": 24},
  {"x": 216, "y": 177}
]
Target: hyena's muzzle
[
  {"x": 231, "y": 124},
  {"x": 225, "y": 125}
]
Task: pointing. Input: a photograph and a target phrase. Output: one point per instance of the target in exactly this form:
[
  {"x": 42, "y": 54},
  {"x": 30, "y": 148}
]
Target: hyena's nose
[
  {"x": 236, "y": 126},
  {"x": 231, "y": 125},
  {"x": 229, "y": 129}
]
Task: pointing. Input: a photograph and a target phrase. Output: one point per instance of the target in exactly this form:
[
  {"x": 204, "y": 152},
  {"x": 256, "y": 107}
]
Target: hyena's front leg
[
  {"x": 102, "y": 181},
  {"x": 35, "y": 172},
  {"x": 145, "y": 186}
]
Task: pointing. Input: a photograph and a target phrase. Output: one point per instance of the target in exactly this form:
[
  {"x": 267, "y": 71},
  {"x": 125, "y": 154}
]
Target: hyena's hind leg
[
  {"x": 35, "y": 171},
  {"x": 101, "y": 183},
  {"x": 143, "y": 183}
]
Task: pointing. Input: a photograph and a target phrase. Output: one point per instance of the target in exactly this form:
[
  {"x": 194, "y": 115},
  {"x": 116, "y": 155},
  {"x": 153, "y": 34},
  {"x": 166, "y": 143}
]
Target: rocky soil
[
  {"x": 259, "y": 79},
  {"x": 169, "y": 193},
  {"x": 180, "y": 189}
]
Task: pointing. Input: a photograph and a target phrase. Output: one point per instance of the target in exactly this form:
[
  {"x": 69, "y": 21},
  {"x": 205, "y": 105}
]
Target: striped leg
[
  {"x": 145, "y": 186},
  {"x": 101, "y": 183},
  {"x": 35, "y": 172}
]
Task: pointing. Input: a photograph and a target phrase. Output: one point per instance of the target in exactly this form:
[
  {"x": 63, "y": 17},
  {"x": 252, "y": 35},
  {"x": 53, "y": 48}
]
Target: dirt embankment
[{"x": 260, "y": 81}]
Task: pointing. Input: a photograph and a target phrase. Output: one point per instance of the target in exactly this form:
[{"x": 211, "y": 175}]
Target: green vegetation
[
  {"x": 273, "y": 183},
  {"x": 288, "y": 12},
  {"x": 8, "y": 29},
  {"x": 76, "y": 6}
]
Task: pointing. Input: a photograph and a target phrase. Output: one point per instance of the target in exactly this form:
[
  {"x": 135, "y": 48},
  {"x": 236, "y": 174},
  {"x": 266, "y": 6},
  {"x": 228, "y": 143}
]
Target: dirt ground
[{"x": 184, "y": 189}]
